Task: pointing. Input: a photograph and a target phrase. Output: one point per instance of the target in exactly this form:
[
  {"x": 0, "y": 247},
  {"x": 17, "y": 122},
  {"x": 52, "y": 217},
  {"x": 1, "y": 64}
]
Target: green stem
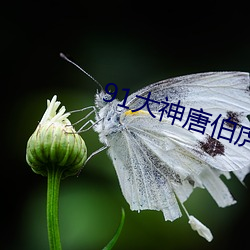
[{"x": 54, "y": 177}]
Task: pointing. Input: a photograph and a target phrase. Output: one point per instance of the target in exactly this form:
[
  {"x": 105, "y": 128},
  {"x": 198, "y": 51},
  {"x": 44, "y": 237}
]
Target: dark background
[{"x": 131, "y": 44}]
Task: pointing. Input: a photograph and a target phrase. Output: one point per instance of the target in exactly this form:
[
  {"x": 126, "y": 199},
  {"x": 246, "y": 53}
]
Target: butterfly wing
[
  {"x": 141, "y": 184},
  {"x": 155, "y": 164},
  {"x": 208, "y": 90},
  {"x": 217, "y": 93},
  {"x": 156, "y": 161}
]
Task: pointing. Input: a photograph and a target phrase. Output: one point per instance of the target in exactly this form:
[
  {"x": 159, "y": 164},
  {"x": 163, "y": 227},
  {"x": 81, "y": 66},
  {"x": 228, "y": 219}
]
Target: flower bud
[{"x": 55, "y": 144}]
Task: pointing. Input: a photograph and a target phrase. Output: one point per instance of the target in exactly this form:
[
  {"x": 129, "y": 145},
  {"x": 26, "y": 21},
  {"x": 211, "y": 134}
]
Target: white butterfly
[{"x": 159, "y": 163}]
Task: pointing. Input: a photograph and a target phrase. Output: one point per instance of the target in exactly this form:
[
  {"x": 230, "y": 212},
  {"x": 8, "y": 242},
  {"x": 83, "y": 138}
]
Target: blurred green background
[{"x": 130, "y": 44}]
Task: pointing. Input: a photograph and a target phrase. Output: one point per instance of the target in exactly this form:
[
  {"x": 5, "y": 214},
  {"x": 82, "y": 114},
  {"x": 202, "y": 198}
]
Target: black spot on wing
[
  {"x": 212, "y": 146},
  {"x": 235, "y": 117},
  {"x": 191, "y": 181}
]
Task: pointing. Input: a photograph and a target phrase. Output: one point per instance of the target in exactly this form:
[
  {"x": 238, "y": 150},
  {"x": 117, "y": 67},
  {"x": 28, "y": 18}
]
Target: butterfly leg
[
  {"x": 91, "y": 155},
  {"x": 96, "y": 152},
  {"x": 81, "y": 129},
  {"x": 86, "y": 116}
]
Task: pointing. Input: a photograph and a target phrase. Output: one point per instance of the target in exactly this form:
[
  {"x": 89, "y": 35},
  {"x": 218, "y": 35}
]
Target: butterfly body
[{"x": 109, "y": 118}]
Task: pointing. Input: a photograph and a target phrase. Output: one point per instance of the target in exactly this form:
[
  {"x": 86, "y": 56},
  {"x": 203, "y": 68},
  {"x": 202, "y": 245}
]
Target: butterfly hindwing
[
  {"x": 142, "y": 184},
  {"x": 154, "y": 165}
]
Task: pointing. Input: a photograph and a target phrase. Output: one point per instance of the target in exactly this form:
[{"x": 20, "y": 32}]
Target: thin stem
[
  {"x": 117, "y": 234},
  {"x": 54, "y": 177}
]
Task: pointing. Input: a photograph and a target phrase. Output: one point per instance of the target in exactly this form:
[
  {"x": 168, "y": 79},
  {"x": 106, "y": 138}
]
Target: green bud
[{"x": 55, "y": 144}]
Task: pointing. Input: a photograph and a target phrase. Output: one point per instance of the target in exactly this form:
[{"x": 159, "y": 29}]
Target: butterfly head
[{"x": 99, "y": 99}]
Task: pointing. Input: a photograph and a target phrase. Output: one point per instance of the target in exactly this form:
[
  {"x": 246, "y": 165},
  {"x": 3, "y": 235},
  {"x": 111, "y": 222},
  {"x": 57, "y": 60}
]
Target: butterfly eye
[{"x": 113, "y": 94}]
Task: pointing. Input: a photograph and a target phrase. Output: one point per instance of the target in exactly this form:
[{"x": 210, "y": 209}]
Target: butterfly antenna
[{"x": 68, "y": 60}]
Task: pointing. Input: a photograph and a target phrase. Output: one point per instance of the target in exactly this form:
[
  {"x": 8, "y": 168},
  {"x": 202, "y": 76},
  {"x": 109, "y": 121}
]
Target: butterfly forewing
[
  {"x": 220, "y": 95},
  {"x": 192, "y": 89}
]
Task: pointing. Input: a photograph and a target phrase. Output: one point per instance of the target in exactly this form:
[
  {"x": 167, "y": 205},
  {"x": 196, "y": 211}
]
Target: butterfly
[
  {"x": 158, "y": 160},
  {"x": 159, "y": 164}
]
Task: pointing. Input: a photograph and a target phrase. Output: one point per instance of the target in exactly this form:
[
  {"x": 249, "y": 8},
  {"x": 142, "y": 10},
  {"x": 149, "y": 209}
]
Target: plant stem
[
  {"x": 54, "y": 177},
  {"x": 117, "y": 234}
]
